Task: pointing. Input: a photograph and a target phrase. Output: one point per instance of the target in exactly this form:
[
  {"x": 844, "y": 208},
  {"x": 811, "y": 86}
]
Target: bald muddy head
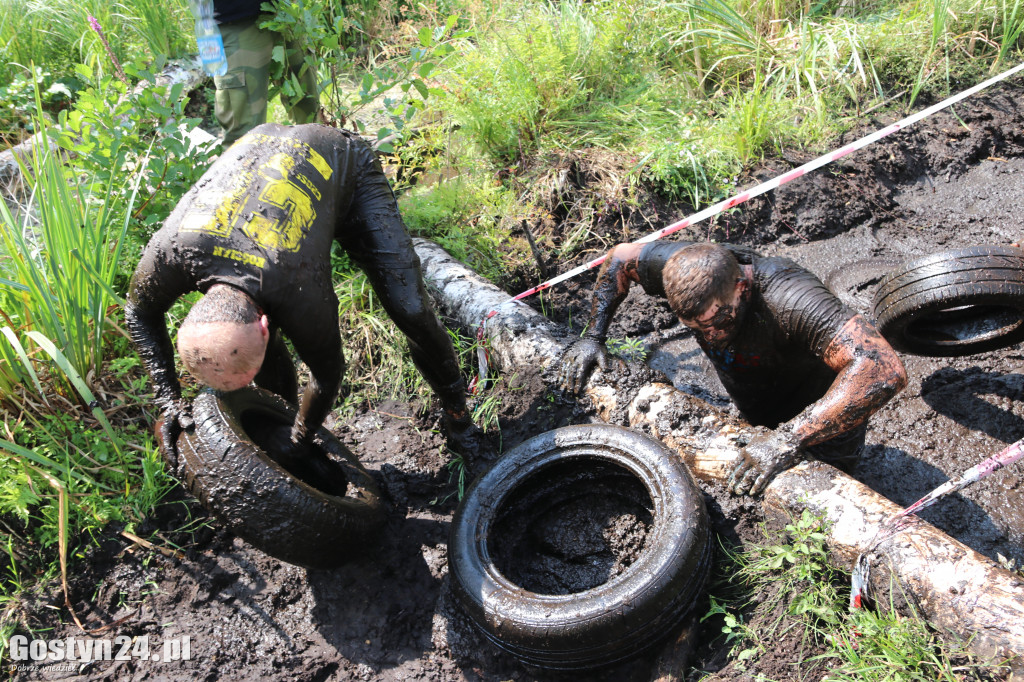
[
  {"x": 223, "y": 339},
  {"x": 223, "y": 355},
  {"x": 572, "y": 526}
]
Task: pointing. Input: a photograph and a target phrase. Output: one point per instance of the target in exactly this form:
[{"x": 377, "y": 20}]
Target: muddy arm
[
  {"x": 613, "y": 281},
  {"x": 148, "y": 333},
  {"x": 325, "y": 371},
  {"x": 869, "y": 374}
]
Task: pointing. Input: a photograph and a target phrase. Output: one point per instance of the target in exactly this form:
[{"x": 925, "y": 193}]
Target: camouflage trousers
[{"x": 243, "y": 92}]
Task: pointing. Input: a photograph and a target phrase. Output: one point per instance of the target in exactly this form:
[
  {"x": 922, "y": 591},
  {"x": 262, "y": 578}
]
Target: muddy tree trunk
[{"x": 957, "y": 589}]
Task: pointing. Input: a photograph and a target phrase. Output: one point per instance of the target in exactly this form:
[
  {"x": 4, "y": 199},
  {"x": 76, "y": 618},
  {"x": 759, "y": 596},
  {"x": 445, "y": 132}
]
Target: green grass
[
  {"x": 55, "y": 34},
  {"x": 786, "y": 586},
  {"x": 63, "y": 252}
]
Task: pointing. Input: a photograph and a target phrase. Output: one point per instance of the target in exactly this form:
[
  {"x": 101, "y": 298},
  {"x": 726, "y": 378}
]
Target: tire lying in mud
[
  {"x": 581, "y": 547},
  {"x": 316, "y": 511},
  {"x": 955, "y": 302}
]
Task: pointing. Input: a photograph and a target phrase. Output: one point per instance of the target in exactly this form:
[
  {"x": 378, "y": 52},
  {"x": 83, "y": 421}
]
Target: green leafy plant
[
  {"x": 630, "y": 350},
  {"x": 18, "y": 99},
  {"x": 737, "y": 633},
  {"x": 111, "y": 130},
  {"x": 788, "y": 585},
  {"x": 396, "y": 87}
]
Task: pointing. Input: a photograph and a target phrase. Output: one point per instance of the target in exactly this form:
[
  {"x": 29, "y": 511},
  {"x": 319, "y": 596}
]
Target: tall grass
[
  {"x": 64, "y": 467},
  {"x": 62, "y": 254},
  {"x": 377, "y": 361},
  {"x": 698, "y": 89},
  {"x": 55, "y": 35}
]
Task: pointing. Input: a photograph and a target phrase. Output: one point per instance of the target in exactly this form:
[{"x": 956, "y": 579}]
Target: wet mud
[
  {"x": 950, "y": 181},
  {"x": 573, "y": 529}
]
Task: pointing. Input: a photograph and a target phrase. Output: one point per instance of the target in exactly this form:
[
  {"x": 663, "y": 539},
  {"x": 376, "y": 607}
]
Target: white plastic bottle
[{"x": 208, "y": 38}]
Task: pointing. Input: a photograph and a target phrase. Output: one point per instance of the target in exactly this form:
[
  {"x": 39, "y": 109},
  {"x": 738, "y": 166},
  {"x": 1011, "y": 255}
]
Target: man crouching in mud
[
  {"x": 793, "y": 358},
  {"x": 254, "y": 235}
]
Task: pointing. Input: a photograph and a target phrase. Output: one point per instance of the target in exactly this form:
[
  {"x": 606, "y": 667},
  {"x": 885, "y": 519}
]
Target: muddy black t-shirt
[
  {"x": 262, "y": 220},
  {"x": 774, "y": 366}
]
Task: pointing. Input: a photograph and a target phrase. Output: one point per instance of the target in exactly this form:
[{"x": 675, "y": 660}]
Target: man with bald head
[
  {"x": 223, "y": 340},
  {"x": 796, "y": 362},
  {"x": 255, "y": 236}
]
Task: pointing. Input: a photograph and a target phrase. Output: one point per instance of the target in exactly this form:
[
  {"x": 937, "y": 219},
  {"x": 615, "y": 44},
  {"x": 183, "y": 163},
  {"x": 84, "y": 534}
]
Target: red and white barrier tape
[
  {"x": 775, "y": 182},
  {"x": 767, "y": 186},
  {"x": 899, "y": 521}
]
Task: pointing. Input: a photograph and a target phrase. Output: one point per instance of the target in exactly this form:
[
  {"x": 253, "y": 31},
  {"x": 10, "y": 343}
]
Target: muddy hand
[
  {"x": 767, "y": 454},
  {"x": 176, "y": 417},
  {"x": 577, "y": 362}
]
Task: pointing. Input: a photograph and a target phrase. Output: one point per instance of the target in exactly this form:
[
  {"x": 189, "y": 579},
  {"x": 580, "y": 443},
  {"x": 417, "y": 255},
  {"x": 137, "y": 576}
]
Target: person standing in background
[{"x": 243, "y": 92}]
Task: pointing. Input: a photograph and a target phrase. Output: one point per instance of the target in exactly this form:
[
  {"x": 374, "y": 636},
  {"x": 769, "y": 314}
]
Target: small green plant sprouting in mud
[
  {"x": 787, "y": 589},
  {"x": 735, "y": 630},
  {"x": 630, "y": 350},
  {"x": 457, "y": 474}
]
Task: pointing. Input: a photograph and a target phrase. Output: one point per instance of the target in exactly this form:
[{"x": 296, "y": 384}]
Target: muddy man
[
  {"x": 796, "y": 362},
  {"x": 255, "y": 236}
]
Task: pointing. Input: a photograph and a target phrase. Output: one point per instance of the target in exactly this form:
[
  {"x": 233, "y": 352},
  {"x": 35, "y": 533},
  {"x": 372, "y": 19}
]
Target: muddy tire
[
  {"x": 630, "y": 612},
  {"x": 954, "y": 303},
  {"x": 316, "y": 512},
  {"x": 855, "y": 283}
]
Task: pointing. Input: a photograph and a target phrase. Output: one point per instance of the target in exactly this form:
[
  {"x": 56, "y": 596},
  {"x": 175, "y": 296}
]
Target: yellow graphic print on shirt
[
  {"x": 218, "y": 219},
  {"x": 284, "y": 231}
]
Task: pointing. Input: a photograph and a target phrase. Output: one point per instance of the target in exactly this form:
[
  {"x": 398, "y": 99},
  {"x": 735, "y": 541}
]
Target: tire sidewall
[
  {"x": 896, "y": 314},
  {"x": 262, "y": 502},
  {"x": 614, "y": 620}
]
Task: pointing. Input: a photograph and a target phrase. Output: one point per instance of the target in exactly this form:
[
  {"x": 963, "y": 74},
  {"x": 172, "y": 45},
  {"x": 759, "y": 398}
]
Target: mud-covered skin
[
  {"x": 262, "y": 219},
  {"x": 869, "y": 373},
  {"x": 792, "y": 357}
]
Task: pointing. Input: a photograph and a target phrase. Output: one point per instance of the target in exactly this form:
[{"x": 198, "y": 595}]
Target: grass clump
[
  {"x": 469, "y": 217},
  {"x": 785, "y": 595}
]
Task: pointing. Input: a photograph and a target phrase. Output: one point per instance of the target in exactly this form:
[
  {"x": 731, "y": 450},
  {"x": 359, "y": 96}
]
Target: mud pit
[
  {"x": 574, "y": 529},
  {"x": 385, "y": 616}
]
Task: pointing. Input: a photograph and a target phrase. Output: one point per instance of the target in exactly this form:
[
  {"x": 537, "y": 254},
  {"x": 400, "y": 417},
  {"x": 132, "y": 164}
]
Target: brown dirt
[{"x": 947, "y": 182}]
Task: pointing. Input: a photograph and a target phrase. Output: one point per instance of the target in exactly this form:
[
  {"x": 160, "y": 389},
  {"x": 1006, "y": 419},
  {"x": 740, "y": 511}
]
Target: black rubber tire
[
  {"x": 616, "y": 620},
  {"x": 318, "y": 515},
  {"x": 953, "y": 303}
]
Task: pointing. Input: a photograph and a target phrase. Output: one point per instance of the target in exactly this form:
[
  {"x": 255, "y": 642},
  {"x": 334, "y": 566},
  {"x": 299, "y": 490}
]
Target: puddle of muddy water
[
  {"x": 961, "y": 324},
  {"x": 572, "y": 527}
]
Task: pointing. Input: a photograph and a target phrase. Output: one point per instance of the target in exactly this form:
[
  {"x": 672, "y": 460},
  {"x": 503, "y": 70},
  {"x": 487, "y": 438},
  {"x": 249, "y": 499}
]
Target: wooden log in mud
[{"x": 958, "y": 590}]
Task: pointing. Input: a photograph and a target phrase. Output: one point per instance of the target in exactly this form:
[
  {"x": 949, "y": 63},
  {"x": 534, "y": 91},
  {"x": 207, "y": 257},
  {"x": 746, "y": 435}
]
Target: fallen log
[{"x": 958, "y": 590}]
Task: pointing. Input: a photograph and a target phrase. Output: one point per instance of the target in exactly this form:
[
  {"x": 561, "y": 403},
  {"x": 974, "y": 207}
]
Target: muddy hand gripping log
[{"x": 767, "y": 186}]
